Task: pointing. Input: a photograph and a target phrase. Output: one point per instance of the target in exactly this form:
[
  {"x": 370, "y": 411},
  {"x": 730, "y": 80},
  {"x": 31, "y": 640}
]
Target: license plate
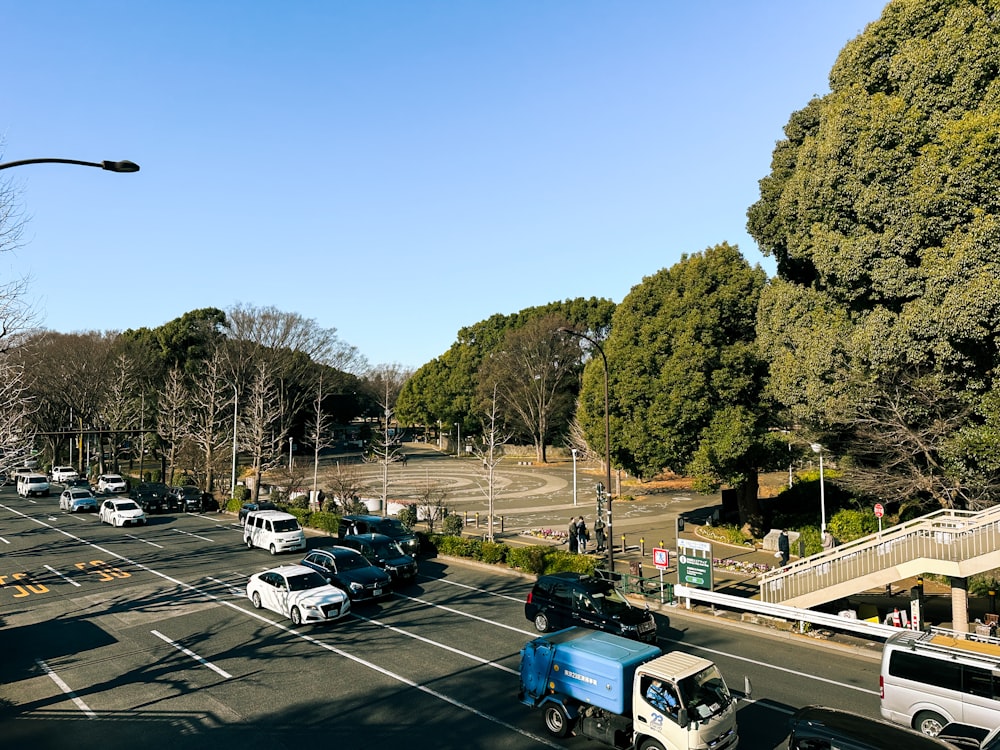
[{"x": 377, "y": 592}]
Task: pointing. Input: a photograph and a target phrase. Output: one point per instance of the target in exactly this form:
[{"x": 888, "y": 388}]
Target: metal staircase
[{"x": 947, "y": 542}]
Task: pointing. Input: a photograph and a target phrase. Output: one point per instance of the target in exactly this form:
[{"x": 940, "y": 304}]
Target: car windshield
[
  {"x": 387, "y": 549},
  {"x": 306, "y": 581},
  {"x": 113, "y": 478},
  {"x": 705, "y": 694},
  {"x": 391, "y": 527},
  {"x": 351, "y": 562},
  {"x": 286, "y": 524},
  {"x": 80, "y": 495},
  {"x": 126, "y": 506},
  {"x": 610, "y": 602}
]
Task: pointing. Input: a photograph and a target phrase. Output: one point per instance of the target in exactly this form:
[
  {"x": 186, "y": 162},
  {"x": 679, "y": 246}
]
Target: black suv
[
  {"x": 251, "y": 506},
  {"x": 383, "y": 552},
  {"x": 152, "y": 497},
  {"x": 819, "y": 727},
  {"x": 346, "y": 569},
  {"x": 564, "y": 599},
  {"x": 188, "y": 498},
  {"x": 391, "y": 527}
]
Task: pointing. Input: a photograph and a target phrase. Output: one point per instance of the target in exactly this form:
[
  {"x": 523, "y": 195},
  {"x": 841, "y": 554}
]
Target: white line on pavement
[
  {"x": 65, "y": 688},
  {"x": 68, "y": 580},
  {"x": 144, "y": 541},
  {"x": 466, "y": 614},
  {"x": 192, "y": 654},
  {"x": 203, "y": 538}
]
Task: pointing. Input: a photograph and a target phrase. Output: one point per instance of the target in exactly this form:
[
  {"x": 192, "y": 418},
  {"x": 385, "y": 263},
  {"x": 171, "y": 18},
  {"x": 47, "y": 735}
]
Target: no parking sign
[{"x": 661, "y": 558}]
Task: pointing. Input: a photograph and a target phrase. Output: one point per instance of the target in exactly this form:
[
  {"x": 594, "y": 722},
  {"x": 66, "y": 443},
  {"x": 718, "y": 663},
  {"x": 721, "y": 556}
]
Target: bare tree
[
  {"x": 16, "y": 315},
  {"x": 346, "y": 485},
  {"x": 489, "y": 449},
  {"x": 16, "y": 429},
  {"x": 172, "y": 413},
  {"x": 386, "y": 382},
  {"x": 119, "y": 412},
  {"x": 208, "y": 421},
  {"x": 431, "y": 496},
  {"x": 258, "y": 428},
  {"x": 318, "y": 430},
  {"x": 533, "y": 371}
]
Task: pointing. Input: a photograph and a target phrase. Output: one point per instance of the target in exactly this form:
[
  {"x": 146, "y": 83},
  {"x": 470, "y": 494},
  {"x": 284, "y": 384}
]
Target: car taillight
[
  {"x": 529, "y": 597},
  {"x": 881, "y": 687}
]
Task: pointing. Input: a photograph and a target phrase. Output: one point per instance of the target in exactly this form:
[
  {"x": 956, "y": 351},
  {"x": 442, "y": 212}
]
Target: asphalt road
[{"x": 118, "y": 638}]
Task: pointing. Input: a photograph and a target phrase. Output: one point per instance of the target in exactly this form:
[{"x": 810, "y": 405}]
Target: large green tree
[
  {"x": 882, "y": 210},
  {"x": 685, "y": 377}
]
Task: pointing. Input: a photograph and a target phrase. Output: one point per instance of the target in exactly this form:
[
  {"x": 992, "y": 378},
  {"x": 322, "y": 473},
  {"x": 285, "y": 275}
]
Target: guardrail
[{"x": 685, "y": 595}]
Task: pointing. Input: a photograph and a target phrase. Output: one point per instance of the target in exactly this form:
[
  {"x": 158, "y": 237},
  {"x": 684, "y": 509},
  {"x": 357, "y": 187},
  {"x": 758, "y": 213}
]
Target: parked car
[
  {"x": 122, "y": 512},
  {"x": 347, "y": 569},
  {"x": 299, "y": 593},
  {"x": 111, "y": 483},
  {"x": 383, "y": 552},
  {"x": 32, "y": 485},
  {"x": 391, "y": 527},
  {"x": 818, "y": 727},
  {"x": 77, "y": 499},
  {"x": 274, "y": 531},
  {"x": 187, "y": 498},
  {"x": 968, "y": 736},
  {"x": 252, "y": 506},
  {"x": 62, "y": 473},
  {"x": 78, "y": 482},
  {"x": 560, "y": 600},
  {"x": 152, "y": 497}
]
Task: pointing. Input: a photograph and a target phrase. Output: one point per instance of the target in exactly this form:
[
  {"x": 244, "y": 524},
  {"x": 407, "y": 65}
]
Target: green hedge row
[{"x": 538, "y": 559}]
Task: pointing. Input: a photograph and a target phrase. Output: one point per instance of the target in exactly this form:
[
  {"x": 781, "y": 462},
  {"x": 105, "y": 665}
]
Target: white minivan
[
  {"x": 274, "y": 531},
  {"x": 29, "y": 485}
]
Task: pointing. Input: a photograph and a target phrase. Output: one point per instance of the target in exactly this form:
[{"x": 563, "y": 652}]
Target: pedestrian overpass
[{"x": 952, "y": 543}]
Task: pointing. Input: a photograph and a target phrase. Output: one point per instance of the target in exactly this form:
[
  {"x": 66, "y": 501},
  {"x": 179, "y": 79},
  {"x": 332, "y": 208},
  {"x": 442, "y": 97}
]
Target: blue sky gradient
[{"x": 394, "y": 170}]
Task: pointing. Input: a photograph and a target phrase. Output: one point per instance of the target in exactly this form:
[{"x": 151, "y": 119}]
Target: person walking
[
  {"x": 582, "y": 535},
  {"x": 599, "y": 533},
  {"x": 783, "y": 547},
  {"x": 571, "y": 535}
]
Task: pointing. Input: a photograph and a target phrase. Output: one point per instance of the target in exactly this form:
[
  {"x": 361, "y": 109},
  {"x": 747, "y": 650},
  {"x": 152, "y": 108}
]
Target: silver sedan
[{"x": 77, "y": 500}]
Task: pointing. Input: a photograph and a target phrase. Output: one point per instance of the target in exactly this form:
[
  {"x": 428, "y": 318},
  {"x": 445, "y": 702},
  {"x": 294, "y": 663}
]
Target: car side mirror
[{"x": 682, "y": 718}]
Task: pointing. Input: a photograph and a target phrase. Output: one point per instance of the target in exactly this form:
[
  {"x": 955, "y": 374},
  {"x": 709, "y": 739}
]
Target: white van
[
  {"x": 274, "y": 531},
  {"x": 32, "y": 484},
  {"x": 931, "y": 678}
]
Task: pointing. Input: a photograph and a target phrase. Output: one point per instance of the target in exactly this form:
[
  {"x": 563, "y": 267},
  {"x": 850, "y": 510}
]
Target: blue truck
[{"x": 626, "y": 694}]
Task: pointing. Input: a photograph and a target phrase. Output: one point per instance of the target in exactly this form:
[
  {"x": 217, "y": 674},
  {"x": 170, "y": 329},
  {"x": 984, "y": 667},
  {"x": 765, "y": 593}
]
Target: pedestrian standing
[
  {"x": 571, "y": 535},
  {"x": 783, "y": 547},
  {"x": 828, "y": 541},
  {"x": 582, "y": 535},
  {"x": 599, "y": 533}
]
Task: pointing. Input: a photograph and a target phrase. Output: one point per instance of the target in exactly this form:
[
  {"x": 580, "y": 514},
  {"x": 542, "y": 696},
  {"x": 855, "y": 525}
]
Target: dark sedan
[
  {"x": 346, "y": 569},
  {"x": 152, "y": 497},
  {"x": 187, "y": 498},
  {"x": 383, "y": 552}
]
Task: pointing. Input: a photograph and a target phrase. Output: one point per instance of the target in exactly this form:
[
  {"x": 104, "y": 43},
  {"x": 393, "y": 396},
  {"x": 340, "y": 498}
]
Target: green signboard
[{"x": 694, "y": 564}]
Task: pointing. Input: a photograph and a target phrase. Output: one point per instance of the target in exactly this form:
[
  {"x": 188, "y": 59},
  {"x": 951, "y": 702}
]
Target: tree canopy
[{"x": 882, "y": 210}]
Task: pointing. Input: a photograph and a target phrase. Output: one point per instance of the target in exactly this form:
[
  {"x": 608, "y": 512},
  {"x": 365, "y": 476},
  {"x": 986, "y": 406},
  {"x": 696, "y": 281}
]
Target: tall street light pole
[
  {"x": 236, "y": 422},
  {"x": 574, "y": 452},
  {"x": 607, "y": 441},
  {"x": 110, "y": 166},
  {"x": 458, "y": 440},
  {"x": 817, "y": 448}
]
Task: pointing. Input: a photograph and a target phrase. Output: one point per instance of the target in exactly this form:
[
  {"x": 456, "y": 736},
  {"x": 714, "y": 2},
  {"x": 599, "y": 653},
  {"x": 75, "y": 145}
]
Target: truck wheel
[
  {"x": 929, "y": 723},
  {"x": 650, "y": 744},
  {"x": 556, "y": 721},
  {"x": 541, "y": 622}
]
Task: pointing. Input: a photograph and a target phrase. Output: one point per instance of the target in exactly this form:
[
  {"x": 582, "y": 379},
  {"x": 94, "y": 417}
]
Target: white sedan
[
  {"x": 111, "y": 483},
  {"x": 76, "y": 499},
  {"x": 299, "y": 593},
  {"x": 122, "y": 513}
]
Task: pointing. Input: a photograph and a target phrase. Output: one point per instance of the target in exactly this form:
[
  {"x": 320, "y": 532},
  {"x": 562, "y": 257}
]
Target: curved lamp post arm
[{"x": 110, "y": 166}]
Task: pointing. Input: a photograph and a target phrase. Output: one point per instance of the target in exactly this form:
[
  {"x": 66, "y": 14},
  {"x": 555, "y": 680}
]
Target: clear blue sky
[{"x": 397, "y": 169}]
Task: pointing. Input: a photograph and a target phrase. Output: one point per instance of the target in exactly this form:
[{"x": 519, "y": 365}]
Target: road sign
[
  {"x": 661, "y": 558},
  {"x": 879, "y": 510}
]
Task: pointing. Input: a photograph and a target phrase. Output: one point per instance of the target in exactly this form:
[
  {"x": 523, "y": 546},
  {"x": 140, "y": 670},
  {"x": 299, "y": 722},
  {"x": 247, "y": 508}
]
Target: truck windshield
[
  {"x": 705, "y": 694},
  {"x": 286, "y": 524}
]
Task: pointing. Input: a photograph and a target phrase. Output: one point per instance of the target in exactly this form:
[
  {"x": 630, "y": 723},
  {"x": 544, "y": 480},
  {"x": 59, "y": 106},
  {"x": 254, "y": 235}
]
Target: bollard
[
  {"x": 477, "y": 519},
  {"x": 501, "y": 524},
  {"x": 642, "y": 547},
  {"x": 465, "y": 518},
  {"x": 623, "y": 544}
]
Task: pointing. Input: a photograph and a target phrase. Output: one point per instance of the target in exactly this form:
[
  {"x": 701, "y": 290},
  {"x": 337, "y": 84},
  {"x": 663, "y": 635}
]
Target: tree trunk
[{"x": 749, "y": 504}]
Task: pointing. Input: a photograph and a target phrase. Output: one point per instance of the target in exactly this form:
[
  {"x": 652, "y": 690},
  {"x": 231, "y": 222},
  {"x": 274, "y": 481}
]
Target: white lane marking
[
  {"x": 466, "y": 614},
  {"x": 65, "y": 688},
  {"x": 144, "y": 541},
  {"x": 203, "y": 538},
  {"x": 68, "y": 580},
  {"x": 193, "y": 655},
  {"x": 4, "y": 540},
  {"x": 429, "y": 642},
  {"x": 769, "y": 665},
  {"x": 291, "y": 631},
  {"x": 232, "y": 589},
  {"x": 475, "y": 588}
]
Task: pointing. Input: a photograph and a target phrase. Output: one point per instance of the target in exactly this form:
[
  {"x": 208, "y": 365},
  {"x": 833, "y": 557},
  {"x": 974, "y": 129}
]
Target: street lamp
[
  {"x": 458, "y": 440},
  {"x": 290, "y": 444},
  {"x": 110, "y": 166},
  {"x": 574, "y": 451},
  {"x": 236, "y": 421},
  {"x": 817, "y": 448},
  {"x": 607, "y": 440}
]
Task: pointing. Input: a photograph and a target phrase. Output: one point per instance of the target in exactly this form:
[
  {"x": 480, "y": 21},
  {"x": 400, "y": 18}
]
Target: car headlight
[
  {"x": 355, "y": 586},
  {"x": 312, "y": 607}
]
